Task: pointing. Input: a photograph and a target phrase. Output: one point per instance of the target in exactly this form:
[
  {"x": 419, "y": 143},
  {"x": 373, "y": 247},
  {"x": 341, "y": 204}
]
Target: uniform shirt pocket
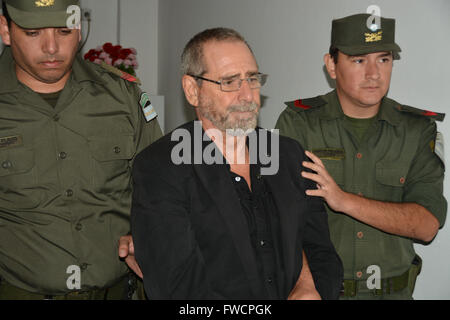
[
  {"x": 16, "y": 168},
  {"x": 111, "y": 161},
  {"x": 392, "y": 177}
]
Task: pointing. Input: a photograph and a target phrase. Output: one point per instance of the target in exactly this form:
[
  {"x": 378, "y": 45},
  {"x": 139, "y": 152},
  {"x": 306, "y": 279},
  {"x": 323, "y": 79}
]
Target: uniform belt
[
  {"x": 125, "y": 284},
  {"x": 388, "y": 285}
]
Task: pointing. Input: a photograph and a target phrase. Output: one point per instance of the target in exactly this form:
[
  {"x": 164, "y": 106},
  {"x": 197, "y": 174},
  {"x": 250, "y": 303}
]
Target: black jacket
[{"x": 191, "y": 238}]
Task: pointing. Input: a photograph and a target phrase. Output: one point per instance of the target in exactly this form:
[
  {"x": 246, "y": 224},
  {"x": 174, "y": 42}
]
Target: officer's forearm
[{"x": 405, "y": 219}]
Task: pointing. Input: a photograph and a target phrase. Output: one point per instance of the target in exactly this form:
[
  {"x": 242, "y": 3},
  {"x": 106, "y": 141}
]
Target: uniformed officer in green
[
  {"x": 374, "y": 162},
  {"x": 69, "y": 131}
]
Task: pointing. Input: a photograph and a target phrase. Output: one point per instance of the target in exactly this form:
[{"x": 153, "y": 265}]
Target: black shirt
[{"x": 263, "y": 224}]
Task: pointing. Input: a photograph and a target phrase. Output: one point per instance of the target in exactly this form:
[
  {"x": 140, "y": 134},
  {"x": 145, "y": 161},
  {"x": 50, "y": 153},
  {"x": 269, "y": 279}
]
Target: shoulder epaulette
[
  {"x": 426, "y": 113},
  {"x": 306, "y": 104},
  {"x": 120, "y": 73}
]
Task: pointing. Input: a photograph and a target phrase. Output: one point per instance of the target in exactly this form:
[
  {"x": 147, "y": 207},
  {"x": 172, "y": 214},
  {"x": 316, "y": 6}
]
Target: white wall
[{"x": 289, "y": 38}]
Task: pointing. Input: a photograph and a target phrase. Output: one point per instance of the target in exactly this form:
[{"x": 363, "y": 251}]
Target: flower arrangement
[{"x": 116, "y": 56}]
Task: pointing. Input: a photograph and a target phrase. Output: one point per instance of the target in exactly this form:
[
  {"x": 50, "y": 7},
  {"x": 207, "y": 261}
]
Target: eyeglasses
[{"x": 255, "y": 81}]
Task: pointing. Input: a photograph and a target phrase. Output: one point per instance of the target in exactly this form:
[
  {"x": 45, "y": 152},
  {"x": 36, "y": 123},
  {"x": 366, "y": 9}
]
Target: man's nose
[
  {"x": 372, "y": 70},
  {"x": 50, "y": 43},
  {"x": 245, "y": 92}
]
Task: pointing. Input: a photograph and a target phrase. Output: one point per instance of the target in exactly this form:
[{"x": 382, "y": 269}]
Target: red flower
[
  {"x": 89, "y": 54},
  {"x": 107, "y": 47},
  {"x": 125, "y": 52},
  {"x": 110, "y": 54}
]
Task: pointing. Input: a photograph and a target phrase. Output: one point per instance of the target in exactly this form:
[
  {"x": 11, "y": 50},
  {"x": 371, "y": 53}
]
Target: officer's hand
[
  {"x": 126, "y": 251},
  {"x": 327, "y": 188}
]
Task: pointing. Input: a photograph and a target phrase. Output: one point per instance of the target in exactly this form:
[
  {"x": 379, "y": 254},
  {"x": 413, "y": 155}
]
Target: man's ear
[
  {"x": 330, "y": 65},
  {"x": 4, "y": 31},
  {"x": 191, "y": 90}
]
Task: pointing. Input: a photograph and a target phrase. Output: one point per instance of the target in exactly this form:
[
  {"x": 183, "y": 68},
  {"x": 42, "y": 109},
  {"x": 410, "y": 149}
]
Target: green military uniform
[
  {"x": 65, "y": 177},
  {"x": 389, "y": 158},
  {"x": 393, "y": 162}
]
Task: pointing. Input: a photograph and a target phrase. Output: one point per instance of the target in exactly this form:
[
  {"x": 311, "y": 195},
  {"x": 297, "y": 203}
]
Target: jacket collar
[
  {"x": 82, "y": 71},
  {"x": 333, "y": 109}
]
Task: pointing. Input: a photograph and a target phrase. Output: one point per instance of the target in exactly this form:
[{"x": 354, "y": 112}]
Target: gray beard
[{"x": 223, "y": 122}]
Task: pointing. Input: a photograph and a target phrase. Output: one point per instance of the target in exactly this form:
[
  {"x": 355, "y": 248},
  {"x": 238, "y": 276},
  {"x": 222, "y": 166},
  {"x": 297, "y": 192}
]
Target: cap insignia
[
  {"x": 373, "y": 37},
  {"x": 44, "y": 3}
]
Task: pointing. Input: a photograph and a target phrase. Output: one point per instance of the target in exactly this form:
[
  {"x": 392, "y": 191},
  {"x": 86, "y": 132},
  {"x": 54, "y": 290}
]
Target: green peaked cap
[
  {"x": 35, "y": 14},
  {"x": 352, "y": 35}
]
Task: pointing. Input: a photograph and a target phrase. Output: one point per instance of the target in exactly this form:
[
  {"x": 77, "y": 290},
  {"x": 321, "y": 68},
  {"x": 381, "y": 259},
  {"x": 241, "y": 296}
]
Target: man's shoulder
[
  {"x": 102, "y": 73},
  {"x": 117, "y": 74},
  {"x": 162, "y": 148},
  {"x": 412, "y": 118},
  {"x": 414, "y": 112},
  {"x": 303, "y": 105}
]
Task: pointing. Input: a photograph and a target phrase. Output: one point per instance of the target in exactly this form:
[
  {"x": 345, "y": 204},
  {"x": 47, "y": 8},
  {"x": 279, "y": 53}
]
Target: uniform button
[
  {"x": 262, "y": 243},
  {"x": 359, "y": 274},
  {"x": 359, "y": 155},
  {"x": 402, "y": 180},
  {"x": 83, "y": 266},
  {"x": 237, "y": 179},
  {"x": 62, "y": 155},
  {"x": 6, "y": 164},
  {"x": 360, "y": 235},
  {"x": 78, "y": 227},
  {"x": 258, "y": 176},
  {"x": 117, "y": 150},
  {"x": 69, "y": 192},
  {"x": 269, "y": 280}
]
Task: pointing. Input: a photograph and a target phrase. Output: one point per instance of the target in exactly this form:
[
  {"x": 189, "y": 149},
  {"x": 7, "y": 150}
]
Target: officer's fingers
[
  {"x": 132, "y": 263},
  {"x": 312, "y": 166},
  {"x": 314, "y": 158},
  {"x": 315, "y": 193},
  {"x": 124, "y": 245},
  {"x": 314, "y": 177},
  {"x": 131, "y": 247}
]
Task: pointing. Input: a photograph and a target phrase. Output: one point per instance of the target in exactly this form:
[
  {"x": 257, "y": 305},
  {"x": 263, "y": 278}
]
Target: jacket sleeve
[
  {"x": 324, "y": 262},
  {"x": 424, "y": 183},
  {"x": 165, "y": 244},
  {"x": 145, "y": 132}
]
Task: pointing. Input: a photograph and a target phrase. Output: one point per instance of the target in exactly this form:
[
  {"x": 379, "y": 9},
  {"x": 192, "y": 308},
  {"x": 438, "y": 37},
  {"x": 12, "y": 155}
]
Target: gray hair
[{"x": 192, "y": 57}]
